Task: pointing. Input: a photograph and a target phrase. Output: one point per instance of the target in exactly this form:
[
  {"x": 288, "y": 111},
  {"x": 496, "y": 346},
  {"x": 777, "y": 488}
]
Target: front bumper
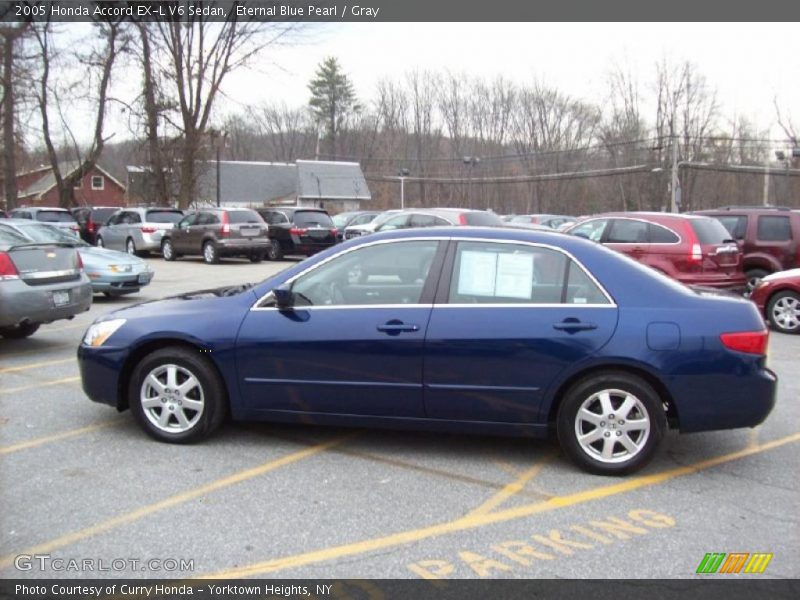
[
  {"x": 121, "y": 283},
  {"x": 100, "y": 370}
]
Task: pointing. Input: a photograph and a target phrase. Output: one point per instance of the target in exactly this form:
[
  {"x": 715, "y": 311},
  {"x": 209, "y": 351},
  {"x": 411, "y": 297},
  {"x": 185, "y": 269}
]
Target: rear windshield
[
  {"x": 244, "y": 216},
  {"x": 11, "y": 238},
  {"x": 55, "y": 216},
  {"x": 710, "y": 231},
  {"x": 485, "y": 219},
  {"x": 48, "y": 233},
  {"x": 163, "y": 216},
  {"x": 310, "y": 218},
  {"x": 101, "y": 215}
]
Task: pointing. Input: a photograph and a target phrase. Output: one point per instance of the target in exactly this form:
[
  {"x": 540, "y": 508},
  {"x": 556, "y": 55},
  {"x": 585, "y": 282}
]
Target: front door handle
[
  {"x": 573, "y": 325},
  {"x": 396, "y": 326}
]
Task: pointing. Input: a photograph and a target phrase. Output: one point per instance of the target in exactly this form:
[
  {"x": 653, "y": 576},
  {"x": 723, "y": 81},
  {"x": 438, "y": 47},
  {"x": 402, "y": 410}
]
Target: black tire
[
  {"x": 256, "y": 257},
  {"x": 207, "y": 393},
  {"x": 602, "y": 449},
  {"x": 210, "y": 253},
  {"x": 275, "y": 252},
  {"x": 783, "y": 312},
  {"x": 17, "y": 332},
  {"x": 99, "y": 242},
  {"x": 754, "y": 276},
  {"x": 168, "y": 250},
  {"x": 130, "y": 247}
]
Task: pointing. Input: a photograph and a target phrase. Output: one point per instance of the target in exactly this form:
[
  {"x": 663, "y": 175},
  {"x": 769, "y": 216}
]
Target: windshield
[
  {"x": 312, "y": 218},
  {"x": 485, "y": 219},
  {"x": 163, "y": 216},
  {"x": 55, "y": 216},
  {"x": 11, "y": 238},
  {"x": 48, "y": 233},
  {"x": 341, "y": 219},
  {"x": 382, "y": 218}
]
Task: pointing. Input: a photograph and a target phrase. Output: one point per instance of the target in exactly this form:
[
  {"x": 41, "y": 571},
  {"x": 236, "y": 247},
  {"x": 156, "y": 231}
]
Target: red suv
[
  {"x": 768, "y": 237},
  {"x": 692, "y": 249}
]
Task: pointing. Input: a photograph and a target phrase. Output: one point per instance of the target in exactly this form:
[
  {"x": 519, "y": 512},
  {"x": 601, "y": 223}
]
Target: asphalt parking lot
[{"x": 78, "y": 481}]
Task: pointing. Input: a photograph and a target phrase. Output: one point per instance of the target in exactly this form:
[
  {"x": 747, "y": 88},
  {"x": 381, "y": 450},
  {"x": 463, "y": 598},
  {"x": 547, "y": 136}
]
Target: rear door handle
[
  {"x": 396, "y": 326},
  {"x": 574, "y": 326}
]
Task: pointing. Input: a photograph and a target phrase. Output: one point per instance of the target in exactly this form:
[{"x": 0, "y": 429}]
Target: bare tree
[
  {"x": 194, "y": 57},
  {"x": 11, "y": 36},
  {"x": 50, "y": 97}
]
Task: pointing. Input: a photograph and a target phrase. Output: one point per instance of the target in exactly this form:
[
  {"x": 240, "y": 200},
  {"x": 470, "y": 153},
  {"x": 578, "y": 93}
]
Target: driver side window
[{"x": 392, "y": 273}]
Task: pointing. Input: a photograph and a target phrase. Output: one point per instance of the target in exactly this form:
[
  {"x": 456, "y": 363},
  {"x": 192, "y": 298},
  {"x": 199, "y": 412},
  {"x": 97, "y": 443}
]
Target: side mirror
[{"x": 284, "y": 298}]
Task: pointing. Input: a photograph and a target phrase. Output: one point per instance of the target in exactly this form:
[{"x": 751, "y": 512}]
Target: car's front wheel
[
  {"x": 130, "y": 247},
  {"x": 783, "y": 312},
  {"x": 611, "y": 423},
  {"x": 17, "y": 332},
  {"x": 177, "y": 396},
  {"x": 754, "y": 277}
]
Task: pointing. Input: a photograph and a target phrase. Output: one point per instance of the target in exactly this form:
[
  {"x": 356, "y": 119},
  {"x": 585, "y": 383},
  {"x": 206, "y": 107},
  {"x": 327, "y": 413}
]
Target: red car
[
  {"x": 692, "y": 249},
  {"x": 778, "y": 299}
]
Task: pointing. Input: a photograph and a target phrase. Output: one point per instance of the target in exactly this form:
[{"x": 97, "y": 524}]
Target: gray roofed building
[{"x": 337, "y": 186}]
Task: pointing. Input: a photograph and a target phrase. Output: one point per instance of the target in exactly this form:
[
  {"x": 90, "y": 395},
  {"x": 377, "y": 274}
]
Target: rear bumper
[
  {"x": 21, "y": 302},
  {"x": 242, "y": 245}
]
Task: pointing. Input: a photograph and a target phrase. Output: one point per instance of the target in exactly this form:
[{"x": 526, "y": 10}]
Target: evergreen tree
[{"x": 332, "y": 99}]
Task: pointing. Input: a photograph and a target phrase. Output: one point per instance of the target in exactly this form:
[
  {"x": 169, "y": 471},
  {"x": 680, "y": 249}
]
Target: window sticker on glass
[
  {"x": 514, "y": 276},
  {"x": 477, "y": 274}
]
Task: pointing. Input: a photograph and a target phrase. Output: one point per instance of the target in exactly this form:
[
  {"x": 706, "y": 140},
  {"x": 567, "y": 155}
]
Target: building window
[{"x": 98, "y": 182}]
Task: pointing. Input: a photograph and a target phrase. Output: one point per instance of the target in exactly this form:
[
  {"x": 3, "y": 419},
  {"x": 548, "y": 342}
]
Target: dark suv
[
  {"x": 92, "y": 218},
  {"x": 215, "y": 232},
  {"x": 769, "y": 237},
  {"x": 692, "y": 249},
  {"x": 295, "y": 230}
]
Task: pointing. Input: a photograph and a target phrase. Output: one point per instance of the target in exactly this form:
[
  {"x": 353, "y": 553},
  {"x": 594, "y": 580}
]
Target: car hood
[{"x": 189, "y": 302}]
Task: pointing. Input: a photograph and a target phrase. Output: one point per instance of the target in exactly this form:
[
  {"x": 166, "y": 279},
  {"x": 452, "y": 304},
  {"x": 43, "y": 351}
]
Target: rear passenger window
[
  {"x": 489, "y": 273},
  {"x": 662, "y": 235},
  {"x": 774, "y": 229},
  {"x": 626, "y": 231}
]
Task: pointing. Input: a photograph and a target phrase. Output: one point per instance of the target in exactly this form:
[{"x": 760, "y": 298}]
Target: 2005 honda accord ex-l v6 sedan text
[{"x": 493, "y": 331}]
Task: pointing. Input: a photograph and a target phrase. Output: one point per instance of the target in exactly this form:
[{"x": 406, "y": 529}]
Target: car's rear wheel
[
  {"x": 130, "y": 246},
  {"x": 177, "y": 395},
  {"x": 167, "y": 251},
  {"x": 274, "y": 252},
  {"x": 754, "y": 277},
  {"x": 783, "y": 312},
  {"x": 611, "y": 424},
  {"x": 99, "y": 242},
  {"x": 210, "y": 254},
  {"x": 17, "y": 332}
]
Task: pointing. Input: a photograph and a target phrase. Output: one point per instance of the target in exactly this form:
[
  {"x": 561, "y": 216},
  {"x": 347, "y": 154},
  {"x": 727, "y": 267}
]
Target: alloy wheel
[{"x": 172, "y": 398}]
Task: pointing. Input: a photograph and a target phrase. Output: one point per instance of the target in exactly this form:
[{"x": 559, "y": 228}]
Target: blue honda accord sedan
[{"x": 494, "y": 331}]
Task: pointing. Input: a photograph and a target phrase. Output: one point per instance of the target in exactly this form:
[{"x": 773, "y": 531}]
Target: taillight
[
  {"x": 80, "y": 261},
  {"x": 334, "y": 231},
  {"x": 751, "y": 342},
  {"x": 696, "y": 254},
  {"x": 298, "y": 231},
  {"x": 90, "y": 226},
  {"x": 462, "y": 219},
  {"x": 149, "y": 229},
  {"x": 7, "y": 268},
  {"x": 226, "y": 224}
]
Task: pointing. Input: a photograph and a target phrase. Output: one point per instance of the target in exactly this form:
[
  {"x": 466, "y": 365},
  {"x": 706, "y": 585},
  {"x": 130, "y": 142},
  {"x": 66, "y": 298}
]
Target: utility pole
[{"x": 675, "y": 204}]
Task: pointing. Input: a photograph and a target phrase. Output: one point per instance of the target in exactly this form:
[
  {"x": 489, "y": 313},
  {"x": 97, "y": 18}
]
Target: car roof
[
  {"x": 648, "y": 215},
  {"x": 40, "y": 208}
]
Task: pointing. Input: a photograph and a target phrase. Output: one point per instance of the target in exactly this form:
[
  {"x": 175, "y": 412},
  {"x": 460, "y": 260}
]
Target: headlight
[
  {"x": 120, "y": 268},
  {"x": 98, "y": 333}
]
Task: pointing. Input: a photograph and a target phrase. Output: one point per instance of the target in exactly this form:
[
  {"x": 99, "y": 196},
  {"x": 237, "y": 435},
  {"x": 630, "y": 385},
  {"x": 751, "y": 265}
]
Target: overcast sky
[{"x": 748, "y": 64}]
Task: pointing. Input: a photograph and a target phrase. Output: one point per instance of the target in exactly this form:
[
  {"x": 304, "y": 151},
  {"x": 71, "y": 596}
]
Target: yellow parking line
[
  {"x": 38, "y": 385},
  {"x": 38, "y": 365},
  {"x": 56, "y": 437},
  {"x": 512, "y": 488},
  {"x": 476, "y": 521},
  {"x": 129, "y": 517}
]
